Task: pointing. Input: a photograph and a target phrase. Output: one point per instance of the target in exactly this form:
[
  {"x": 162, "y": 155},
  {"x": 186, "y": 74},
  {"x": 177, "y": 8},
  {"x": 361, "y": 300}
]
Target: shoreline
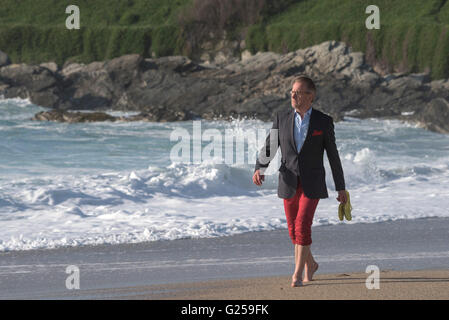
[
  {"x": 127, "y": 270},
  {"x": 107, "y": 245}
]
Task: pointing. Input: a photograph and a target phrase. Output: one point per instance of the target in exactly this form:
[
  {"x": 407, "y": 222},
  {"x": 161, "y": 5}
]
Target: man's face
[{"x": 301, "y": 96}]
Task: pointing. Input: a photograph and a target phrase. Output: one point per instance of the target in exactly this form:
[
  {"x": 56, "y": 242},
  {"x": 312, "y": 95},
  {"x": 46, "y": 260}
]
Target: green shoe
[
  {"x": 345, "y": 209},
  {"x": 341, "y": 212}
]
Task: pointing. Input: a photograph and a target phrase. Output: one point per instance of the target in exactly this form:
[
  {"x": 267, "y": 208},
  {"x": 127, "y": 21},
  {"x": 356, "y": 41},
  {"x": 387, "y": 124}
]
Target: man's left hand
[{"x": 342, "y": 196}]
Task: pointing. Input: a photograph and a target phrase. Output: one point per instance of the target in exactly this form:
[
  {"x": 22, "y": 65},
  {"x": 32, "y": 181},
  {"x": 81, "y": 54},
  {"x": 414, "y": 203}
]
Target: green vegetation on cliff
[
  {"x": 413, "y": 34},
  {"x": 34, "y": 31}
]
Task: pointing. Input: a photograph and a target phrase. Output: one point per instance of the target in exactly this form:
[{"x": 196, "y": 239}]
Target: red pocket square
[{"x": 317, "y": 133}]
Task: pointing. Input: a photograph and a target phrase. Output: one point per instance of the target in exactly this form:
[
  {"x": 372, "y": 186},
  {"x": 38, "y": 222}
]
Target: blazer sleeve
[
  {"x": 268, "y": 151},
  {"x": 333, "y": 156}
]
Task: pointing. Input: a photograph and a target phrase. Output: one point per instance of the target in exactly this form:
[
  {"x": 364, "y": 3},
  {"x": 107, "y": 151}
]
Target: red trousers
[{"x": 299, "y": 211}]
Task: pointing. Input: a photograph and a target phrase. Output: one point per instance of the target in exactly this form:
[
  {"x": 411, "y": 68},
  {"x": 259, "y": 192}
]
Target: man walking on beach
[{"x": 303, "y": 133}]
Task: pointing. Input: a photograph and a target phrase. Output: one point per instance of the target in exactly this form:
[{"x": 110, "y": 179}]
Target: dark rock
[
  {"x": 37, "y": 83},
  {"x": 124, "y": 70},
  {"x": 52, "y": 66},
  {"x": 87, "y": 87},
  {"x": 33, "y": 78},
  {"x": 66, "y": 116},
  {"x": 178, "y": 64},
  {"x": 177, "y": 88},
  {"x": 434, "y": 115}
]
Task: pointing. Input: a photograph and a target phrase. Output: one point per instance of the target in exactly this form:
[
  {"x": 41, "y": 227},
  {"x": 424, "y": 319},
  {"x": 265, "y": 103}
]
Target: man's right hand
[{"x": 258, "y": 178}]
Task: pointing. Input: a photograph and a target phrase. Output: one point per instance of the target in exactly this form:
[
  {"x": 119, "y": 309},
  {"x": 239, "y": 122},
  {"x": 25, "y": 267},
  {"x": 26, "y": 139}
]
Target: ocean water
[{"x": 94, "y": 183}]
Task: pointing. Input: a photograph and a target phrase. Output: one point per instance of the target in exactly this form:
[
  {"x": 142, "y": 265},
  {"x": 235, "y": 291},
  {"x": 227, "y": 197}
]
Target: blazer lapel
[
  {"x": 311, "y": 124},
  {"x": 291, "y": 128},
  {"x": 309, "y": 130}
]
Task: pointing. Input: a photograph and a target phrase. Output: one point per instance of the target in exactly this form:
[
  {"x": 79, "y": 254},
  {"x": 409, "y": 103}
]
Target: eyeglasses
[{"x": 299, "y": 93}]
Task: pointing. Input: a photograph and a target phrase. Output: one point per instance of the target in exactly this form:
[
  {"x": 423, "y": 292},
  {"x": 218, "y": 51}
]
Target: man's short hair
[{"x": 309, "y": 82}]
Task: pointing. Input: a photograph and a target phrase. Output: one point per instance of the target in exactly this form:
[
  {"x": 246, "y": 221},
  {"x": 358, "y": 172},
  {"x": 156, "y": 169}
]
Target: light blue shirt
[{"x": 301, "y": 127}]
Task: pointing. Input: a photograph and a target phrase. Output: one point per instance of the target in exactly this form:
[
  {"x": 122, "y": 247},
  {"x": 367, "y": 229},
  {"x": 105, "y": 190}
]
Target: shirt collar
[{"x": 306, "y": 115}]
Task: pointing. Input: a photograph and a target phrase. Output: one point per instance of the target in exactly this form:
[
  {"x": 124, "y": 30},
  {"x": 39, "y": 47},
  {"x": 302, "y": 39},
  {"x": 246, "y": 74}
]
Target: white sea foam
[
  {"x": 69, "y": 185},
  {"x": 16, "y": 102}
]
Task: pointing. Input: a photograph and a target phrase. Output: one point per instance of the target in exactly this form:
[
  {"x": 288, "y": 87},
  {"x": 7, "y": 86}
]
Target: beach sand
[
  {"x": 412, "y": 256},
  {"x": 422, "y": 284}
]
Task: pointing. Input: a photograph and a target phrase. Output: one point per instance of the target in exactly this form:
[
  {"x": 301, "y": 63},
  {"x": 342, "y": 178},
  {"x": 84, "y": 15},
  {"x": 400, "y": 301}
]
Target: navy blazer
[{"x": 308, "y": 164}]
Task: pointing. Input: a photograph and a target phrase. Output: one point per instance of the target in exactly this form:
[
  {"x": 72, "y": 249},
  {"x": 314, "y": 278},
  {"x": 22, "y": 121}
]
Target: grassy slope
[
  {"x": 93, "y": 13},
  {"x": 414, "y": 34},
  {"x": 34, "y": 31}
]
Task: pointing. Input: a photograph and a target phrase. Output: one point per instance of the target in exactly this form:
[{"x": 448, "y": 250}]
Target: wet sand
[{"x": 422, "y": 284}]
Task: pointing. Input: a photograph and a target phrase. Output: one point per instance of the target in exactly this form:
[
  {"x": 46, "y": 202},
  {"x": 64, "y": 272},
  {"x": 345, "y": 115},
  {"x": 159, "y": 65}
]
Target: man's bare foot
[
  {"x": 296, "y": 282},
  {"x": 308, "y": 275}
]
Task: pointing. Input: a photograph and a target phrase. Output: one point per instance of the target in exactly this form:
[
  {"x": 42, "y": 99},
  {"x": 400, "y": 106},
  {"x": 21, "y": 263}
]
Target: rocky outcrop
[
  {"x": 39, "y": 84},
  {"x": 435, "y": 115},
  {"x": 176, "y": 88},
  {"x": 66, "y": 116}
]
